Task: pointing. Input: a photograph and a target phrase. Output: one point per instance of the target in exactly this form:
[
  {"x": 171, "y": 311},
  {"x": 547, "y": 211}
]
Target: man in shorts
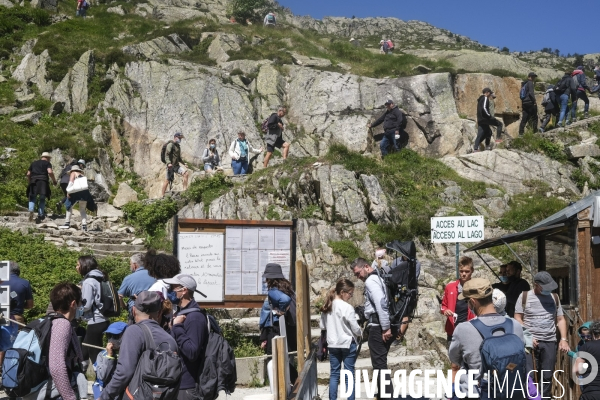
[
  {"x": 274, "y": 137},
  {"x": 175, "y": 163}
]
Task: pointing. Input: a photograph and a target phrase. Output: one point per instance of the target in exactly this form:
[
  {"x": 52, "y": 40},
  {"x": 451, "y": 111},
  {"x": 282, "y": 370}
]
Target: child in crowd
[
  {"x": 107, "y": 360},
  {"x": 380, "y": 262}
]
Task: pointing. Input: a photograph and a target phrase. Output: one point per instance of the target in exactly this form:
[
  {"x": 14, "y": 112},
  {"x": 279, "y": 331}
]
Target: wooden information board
[{"x": 228, "y": 257}]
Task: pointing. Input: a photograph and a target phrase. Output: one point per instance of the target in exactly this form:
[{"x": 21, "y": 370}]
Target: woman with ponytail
[{"x": 343, "y": 333}]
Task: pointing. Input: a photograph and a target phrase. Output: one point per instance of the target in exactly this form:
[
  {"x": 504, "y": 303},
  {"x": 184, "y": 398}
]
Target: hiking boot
[
  {"x": 84, "y": 228},
  {"x": 541, "y": 130},
  {"x": 586, "y": 115},
  {"x": 66, "y": 225},
  {"x": 488, "y": 148},
  {"x": 31, "y": 215},
  {"x": 58, "y": 207}
]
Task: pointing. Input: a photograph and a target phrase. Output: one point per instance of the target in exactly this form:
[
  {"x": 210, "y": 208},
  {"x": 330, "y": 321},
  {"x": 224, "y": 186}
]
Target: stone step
[
  {"x": 106, "y": 253},
  {"x": 88, "y": 237},
  {"x": 114, "y": 247},
  {"x": 69, "y": 232}
]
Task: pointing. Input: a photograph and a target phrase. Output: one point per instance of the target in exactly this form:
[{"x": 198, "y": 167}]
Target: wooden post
[
  {"x": 302, "y": 313},
  {"x": 280, "y": 368}
]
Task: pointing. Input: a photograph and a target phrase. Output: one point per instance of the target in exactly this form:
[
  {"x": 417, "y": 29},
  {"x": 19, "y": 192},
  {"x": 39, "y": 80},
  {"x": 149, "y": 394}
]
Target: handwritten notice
[{"x": 201, "y": 256}]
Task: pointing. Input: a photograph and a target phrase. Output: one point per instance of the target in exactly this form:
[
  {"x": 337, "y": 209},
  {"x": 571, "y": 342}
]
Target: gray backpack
[{"x": 158, "y": 373}]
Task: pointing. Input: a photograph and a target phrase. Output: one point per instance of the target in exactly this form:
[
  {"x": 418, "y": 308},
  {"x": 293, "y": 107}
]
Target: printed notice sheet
[{"x": 282, "y": 238}]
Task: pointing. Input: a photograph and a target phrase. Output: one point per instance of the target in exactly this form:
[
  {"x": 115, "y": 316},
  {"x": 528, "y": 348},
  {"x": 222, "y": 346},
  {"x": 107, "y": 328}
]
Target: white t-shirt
[
  {"x": 341, "y": 325},
  {"x": 160, "y": 286}
]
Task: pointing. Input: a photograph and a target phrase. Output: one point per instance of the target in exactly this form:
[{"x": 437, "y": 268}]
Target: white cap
[{"x": 499, "y": 300}]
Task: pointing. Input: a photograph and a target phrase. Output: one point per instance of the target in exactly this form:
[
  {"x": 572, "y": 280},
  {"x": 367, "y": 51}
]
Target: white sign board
[
  {"x": 201, "y": 256},
  {"x": 457, "y": 229},
  {"x": 4, "y": 271}
]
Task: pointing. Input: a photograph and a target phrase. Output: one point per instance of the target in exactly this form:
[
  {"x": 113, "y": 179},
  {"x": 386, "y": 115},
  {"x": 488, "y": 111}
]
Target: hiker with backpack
[
  {"x": 565, "y": 89},
  {"x": 58, "y": 349},
  {"x": 551, "y": 107},
  {"x": 580, "y": 81},
  {"x": 106, "y": 362},
  {"x": 78, "y": 192},
  {"x": 529, "y": 104},
  {"x": 64, "y": 181},
  {"x": 280, "y": 302},
  {"x": 384, "y": 46},
  {"x": 149, "y": 365},
  {"x": 269, "y": 20},
  {"x": 343, "y": 333},
  {"x": 189, "y": 328},
  {"x": 239, "y": 151},
  {"x": 539, "y": 310},
  {"x": 381, "y": 332},
  {"x": 82, "y": 6},
  {"x": 484, "y": 120},
  {"x": 38, "y": 185},
  {"x": 210, "y": 157},
  {"x": 392, "y": 125},
  {"x": 274, "y": 135},
  {"x": 97, "y": 323},
  {"x": 171, "y": 155},
  {"x": 596, "y": 89},
  {"x": 487, "y": 343}
]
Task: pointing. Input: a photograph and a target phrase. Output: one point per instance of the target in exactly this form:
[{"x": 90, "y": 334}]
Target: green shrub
[
  {"x": 207, "y": 189},
  {"x": 248, "y": 10},
  {"x": 242, "y": 345},
  {"x": 345, "y": 248},
  {"x": 533, "y": 143},
  {"x": 152, "y": 217},
  {"x": 45, "y": 265}
]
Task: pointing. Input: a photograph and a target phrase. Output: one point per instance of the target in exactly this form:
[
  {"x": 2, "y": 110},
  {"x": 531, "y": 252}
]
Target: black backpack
[
  {"x": 163, "y": 152},
  {"x": 25, "y": 364},
  {"x": 218, "y": 371},
  {"x": 562, "y": 85},
  {"x": 158, "y": 372},
  {"x": 404, "y": 122},
  {"x": 111, "y": 306}
]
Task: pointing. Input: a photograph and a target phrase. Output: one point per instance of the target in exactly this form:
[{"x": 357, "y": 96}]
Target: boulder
[
  {"x": 156, "y": 48},
  {"x": 179, "y": 97},
  {"x": 584, "y": 150},
  {"x": 7, "y": 110},
  {"x": 107, "y": 210},
  {"x": 32, "y": 70},
  {"x": 299, "y": 59},
  {"x": 379, "y": 208},
  {"x": 125, "y": 195},
  {"x": 339, "y": 194},
  {"x": 246, "y": 66},
  {"x": 271, "y": 86},
  {"x": 480, "y": 61},
  {"x": 73, "y": 89},
  {"x": 28, "y": 119},
  {"x": 192, "y": 211},
  {"x": 116, "y": 10},
  {"x": 27, "y": 47},
  {"x": 51, "y": 5},
  {"x": 6, "y": 3},
  {"x": 221, "y": 44},
  {"x": 98, "y": 191},
  {"x": 510, "y": 169}
]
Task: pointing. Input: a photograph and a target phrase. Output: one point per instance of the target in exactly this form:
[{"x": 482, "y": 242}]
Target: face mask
[
  {"x": 546, "y": 292},
  {"x": 79, "y": 312},
  {"x": 503, "y": 279},
  {"x": 116, "y": 343},
  {"x": 172, "y": 296},
  {"x": 212, "y": 146},
  {"x": 177, "y": 141},
  {"x": 586, "y": 338},
  {"x": 471, "y": 308}
]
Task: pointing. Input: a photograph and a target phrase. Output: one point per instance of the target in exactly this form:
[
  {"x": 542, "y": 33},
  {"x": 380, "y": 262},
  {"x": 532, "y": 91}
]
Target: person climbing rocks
[
  {"x": 269, "y": 20},
  {"x": 64, "y": 181},
  {"x": 530, "y": 111},
  {"x": 565, "y": 89},
  {"x": 392, "y": 125},
  {"x": 38, "y": 179},
  {"x": 580, "y": 80},
  {"x": 484, "y": 120},
  {"x": 175, "y": 163},
  {"x": 239, "y": 152},
  {"x": 274, "y": 136}
]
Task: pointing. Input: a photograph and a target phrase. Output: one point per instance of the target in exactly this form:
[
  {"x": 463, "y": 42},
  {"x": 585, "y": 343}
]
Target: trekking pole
[{"x": 25, "y": 326}]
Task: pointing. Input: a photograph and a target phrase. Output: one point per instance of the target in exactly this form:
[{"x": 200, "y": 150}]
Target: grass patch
[
  {"x": 58, "y": 266},
  {"x": 208, "y": 189},
  {"x": 345, "y": 248},
  {"x": 413, "y": 184},
  {"x": 528, "y": 209},
  {"x": 533, "y": 143}
]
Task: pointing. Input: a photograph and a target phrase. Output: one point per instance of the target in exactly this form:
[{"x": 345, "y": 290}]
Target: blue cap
[{"x": 116, "y": 328}]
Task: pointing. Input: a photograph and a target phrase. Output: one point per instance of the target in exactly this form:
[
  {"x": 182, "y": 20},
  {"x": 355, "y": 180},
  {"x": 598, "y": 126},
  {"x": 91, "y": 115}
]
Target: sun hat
[{"x": 476, "y": 288}]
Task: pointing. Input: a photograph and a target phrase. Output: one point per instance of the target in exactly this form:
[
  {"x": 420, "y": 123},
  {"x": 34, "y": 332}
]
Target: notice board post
[
  {"x": 227, "y": 257},
  {"x": 457, "y": 230}
]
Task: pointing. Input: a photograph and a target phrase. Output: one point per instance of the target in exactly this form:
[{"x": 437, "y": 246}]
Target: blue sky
[{"x": 520, "y": 25}]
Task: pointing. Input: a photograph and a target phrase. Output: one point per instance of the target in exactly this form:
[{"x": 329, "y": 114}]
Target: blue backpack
[
  {"x": 523, "y": 92},
  {"x": 504, "y": 357}
]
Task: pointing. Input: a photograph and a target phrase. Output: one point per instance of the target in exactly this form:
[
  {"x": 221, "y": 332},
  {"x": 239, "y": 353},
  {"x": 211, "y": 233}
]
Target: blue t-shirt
[
  {"x": 134, "y": 283},
  {"x": 23, "y": 290}
]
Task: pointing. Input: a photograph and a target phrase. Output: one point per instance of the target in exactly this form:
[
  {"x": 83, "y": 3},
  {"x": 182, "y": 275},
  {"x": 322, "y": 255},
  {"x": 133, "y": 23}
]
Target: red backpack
[{"x": 390, "y": 44}]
